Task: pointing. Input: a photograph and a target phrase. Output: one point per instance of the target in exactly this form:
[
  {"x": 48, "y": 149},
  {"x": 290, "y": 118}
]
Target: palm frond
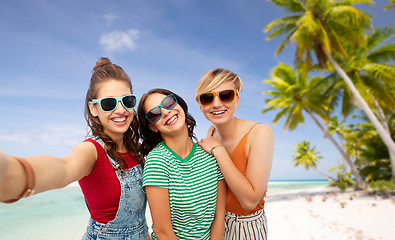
[
  {"x": 379, "y": 36},
  {"x": 382, "y": 71},
  {"x": 290, "y": 5},
  {"x": 284, "y": 72},
  {"x": 353, "y": 2},
  {"x": 283, "y": 44},
  {"x": 282, "y": 22},
  {"x": 383, "y": 54},
  {"x": 348, "y": 15},
  {"x": 335, "y": 42},
  {"x": 379, "y": 92},
  {"x": 343, "y": 29},
  {"x": 346, "y": 103},
  {"x": 280, "y": 32},
  {"x": 391, "y": 5}
]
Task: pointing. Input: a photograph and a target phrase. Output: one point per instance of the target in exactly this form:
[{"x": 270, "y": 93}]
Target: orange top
[{"x": 239, "y": 158}]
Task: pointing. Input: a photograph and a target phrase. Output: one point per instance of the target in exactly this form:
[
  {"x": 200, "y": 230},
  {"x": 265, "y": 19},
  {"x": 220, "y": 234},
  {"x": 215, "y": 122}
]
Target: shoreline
[{"x": 309, "y": 212}]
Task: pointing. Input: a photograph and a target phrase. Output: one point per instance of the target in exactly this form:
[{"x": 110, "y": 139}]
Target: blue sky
[{"x": 48, "y": 49}]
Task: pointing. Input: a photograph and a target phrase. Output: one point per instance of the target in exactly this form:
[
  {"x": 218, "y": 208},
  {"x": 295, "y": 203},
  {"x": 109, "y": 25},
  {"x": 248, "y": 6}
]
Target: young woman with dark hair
[
  {"x": 184, "y": 185},
  {"x": 107, "y": 165}
]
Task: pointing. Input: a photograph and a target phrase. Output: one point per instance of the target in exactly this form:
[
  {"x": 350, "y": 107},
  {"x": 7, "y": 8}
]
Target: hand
[{"x": 208, "y": 143}]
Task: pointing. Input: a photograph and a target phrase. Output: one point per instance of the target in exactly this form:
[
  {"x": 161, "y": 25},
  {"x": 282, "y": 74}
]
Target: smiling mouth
[
  {"x": 218, "y": 112},
  {"x": 172, "y": 119},
  {"x": 119, "y": 119}
]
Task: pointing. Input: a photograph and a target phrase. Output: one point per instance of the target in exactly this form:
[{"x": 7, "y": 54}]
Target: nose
[
  {"x": 120, "y": 108},
  {"x": 216, "y": 102},
  {"x": 164, "y": 112}
]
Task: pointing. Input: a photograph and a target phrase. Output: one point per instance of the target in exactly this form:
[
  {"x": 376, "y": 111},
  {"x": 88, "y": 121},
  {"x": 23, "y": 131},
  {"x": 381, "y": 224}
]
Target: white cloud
[
  {"x": 51, "y": 134},
  {"x": 118, "y": 40},
  {"x": 110, "y": 18}
]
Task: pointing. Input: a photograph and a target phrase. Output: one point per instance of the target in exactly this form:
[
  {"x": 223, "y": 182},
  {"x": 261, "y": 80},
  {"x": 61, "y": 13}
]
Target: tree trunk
[
  {"x": 324, "y": 175},
  {"x": 381, "y": 116},
  {"x": 369, "y": 113},
  {"x": 359, "y": 183}
]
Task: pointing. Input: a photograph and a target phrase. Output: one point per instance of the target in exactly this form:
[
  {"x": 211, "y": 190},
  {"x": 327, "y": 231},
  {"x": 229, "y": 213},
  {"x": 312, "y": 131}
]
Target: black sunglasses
[
  {"x": 109, "y": 104},
  {"x": 169, "y": 102}
]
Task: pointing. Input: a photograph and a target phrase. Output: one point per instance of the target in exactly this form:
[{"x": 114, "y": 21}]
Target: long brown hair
[
  {"x": 150, "y": 138},
  {"x": 103, "y": 71}
]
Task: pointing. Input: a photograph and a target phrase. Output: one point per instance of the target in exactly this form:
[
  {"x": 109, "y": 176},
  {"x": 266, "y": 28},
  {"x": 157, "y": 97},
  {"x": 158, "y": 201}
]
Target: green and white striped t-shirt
[{"x": 192, "y": 184}]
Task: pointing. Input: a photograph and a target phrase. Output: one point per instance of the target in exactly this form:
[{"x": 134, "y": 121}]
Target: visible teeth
[
  {"x": 171, "y": 120},
  {"x": 119, "y": 119},
  {"x": 218, "y": 113}
]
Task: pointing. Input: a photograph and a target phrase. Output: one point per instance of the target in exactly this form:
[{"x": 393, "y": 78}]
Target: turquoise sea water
[
  {"x": 62, "y": 215},
  {"x": 276, "y": 186},
  {"x": 58, "y": 214}
]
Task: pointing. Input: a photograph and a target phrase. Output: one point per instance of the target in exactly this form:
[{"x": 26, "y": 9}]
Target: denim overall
[{"x": 129, "y": 222}]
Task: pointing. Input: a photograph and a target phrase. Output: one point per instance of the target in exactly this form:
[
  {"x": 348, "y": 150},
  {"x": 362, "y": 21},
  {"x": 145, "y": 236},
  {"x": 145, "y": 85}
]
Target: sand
[{"x": 327, "y": 213}]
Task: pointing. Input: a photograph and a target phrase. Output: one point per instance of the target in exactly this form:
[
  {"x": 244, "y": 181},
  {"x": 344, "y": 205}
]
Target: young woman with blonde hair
[{"x": 244, "y": 152}]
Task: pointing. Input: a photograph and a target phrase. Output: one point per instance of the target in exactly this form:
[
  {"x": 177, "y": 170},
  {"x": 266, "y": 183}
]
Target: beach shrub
[
  {"x": 382, "y": 186},
  {"x": 372, "y": 156},
  {"x": 344, "y": 178}
]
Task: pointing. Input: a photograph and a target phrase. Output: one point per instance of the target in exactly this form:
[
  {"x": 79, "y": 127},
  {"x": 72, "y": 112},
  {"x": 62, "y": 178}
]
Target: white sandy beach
[
  {"x": 317, "y": 214},
  {"x": 305, "y": 214}
]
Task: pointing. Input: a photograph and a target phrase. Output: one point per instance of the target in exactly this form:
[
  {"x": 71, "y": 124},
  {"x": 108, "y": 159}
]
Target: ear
[
  {"x": 237, "y": 101},
  {"x": 152, "y": 127},
  {"x": 201, "y": 107},
  {"x": 93, "y": 109}
]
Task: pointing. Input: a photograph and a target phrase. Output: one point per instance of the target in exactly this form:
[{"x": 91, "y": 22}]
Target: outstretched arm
[
  {"x": 159, "y": 204},
  {"x": 50, "y": 172},
  {"x": 248, "y": 188}
]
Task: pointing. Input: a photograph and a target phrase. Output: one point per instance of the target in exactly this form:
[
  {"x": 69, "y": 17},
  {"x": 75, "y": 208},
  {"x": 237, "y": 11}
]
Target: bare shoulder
[
  {"x": 85, "y": 147},
  {"x": 261, "y": 133},
  {"x": 261, "y": 144},
  {"x": 82, "y": 159},
  {"x": 85, "y": 151}
]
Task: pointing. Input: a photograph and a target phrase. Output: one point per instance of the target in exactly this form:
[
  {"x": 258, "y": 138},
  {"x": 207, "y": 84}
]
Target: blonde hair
[{"x": 214, "y": 78}]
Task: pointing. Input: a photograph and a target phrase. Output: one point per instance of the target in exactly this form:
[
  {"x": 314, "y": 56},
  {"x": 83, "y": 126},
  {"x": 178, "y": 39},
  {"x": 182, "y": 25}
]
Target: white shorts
[{"x": 249, "y": 227}]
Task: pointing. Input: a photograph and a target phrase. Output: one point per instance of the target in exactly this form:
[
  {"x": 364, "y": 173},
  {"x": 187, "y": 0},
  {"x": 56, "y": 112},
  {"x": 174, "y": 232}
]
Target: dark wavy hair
[
  {"x": 103, "y": 71},
  {"x": 150, "y": 138}
]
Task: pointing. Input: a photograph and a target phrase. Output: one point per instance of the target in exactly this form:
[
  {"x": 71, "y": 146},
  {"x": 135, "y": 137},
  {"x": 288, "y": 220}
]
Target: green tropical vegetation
[
  {"x": 343, "y": 69},
  {"x": 390, "y": 5}
]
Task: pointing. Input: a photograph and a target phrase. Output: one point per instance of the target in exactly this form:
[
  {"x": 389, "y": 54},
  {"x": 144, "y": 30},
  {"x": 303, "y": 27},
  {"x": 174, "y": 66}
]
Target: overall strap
[{"x": 112, "y": 161}]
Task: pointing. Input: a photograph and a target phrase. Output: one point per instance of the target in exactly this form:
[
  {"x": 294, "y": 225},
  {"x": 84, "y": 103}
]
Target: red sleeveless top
[
  {"x": 101, "y": 188},
  {"x": 239, "y": 158}
]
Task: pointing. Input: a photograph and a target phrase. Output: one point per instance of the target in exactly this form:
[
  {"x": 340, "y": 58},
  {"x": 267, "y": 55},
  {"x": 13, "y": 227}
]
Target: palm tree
[
  {"x": 308, "y": 157},
  {"x": 372, "y": 74},
  {"x": 321, "y": 29},
  {"x": 294, "y": 93}
]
